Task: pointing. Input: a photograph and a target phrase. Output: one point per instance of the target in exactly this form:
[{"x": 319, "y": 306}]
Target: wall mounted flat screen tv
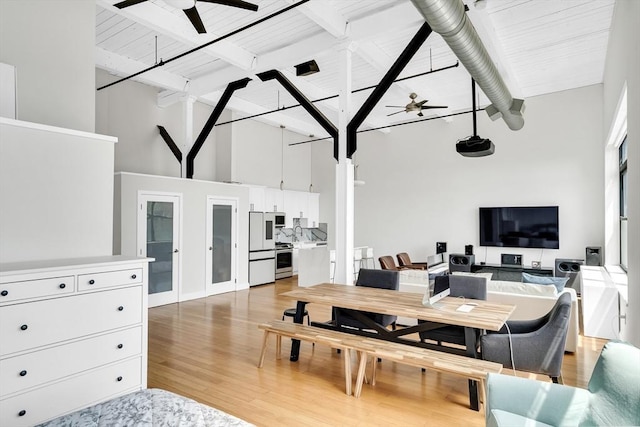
[{"x": 520, "y": 227}]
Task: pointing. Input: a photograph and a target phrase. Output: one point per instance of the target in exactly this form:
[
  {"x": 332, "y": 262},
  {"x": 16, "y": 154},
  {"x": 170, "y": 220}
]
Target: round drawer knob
[
  {"x": 91, "y": 282},
  {"x": 119, "y": 379},
  {"x": 120, "y": 308},
  {"x": 22, "y": 413},
  {"x": 62, "y": 286},
  {"x": 133, "y": 276},
  {"x": 24, "y": 327},
  {"x": 4, "y": 293},
  {"x": 23, "y": 373},
  {"x": 120, "y": 346}
]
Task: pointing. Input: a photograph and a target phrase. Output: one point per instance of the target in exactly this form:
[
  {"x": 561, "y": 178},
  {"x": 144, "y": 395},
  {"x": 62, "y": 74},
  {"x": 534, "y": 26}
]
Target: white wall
[
  {"x": 194, "y": 244},
  {"x": 56, "y": 188},
  {"x": 51, "y": 44},
  {"x": 419, "y": 190},
  {"x": 623, "y": 67}
]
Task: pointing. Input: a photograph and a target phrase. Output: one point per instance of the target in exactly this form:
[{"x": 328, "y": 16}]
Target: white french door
[
  {"x": 159, "y": 230},
  {"x": 221, "y": 245}
]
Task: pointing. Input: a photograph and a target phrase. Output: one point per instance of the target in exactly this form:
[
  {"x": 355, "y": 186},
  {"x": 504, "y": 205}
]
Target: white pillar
[
  {"x": 187, "y": 136},
  {"x": 344, "y": 176}
]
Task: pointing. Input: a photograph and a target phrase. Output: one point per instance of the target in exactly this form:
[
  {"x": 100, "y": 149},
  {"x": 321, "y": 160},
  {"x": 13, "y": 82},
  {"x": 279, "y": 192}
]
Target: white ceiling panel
[{"x": 544, "y": 46}]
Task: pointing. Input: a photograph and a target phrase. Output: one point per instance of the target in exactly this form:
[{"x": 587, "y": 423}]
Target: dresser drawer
[
  {"x": 14, "y": 291},
  {"x": 30, "y": 325},
  {"x": 32, "y": 369},
  {"x": 109, "y": 278},
  {"x": 71, "y": 394}
]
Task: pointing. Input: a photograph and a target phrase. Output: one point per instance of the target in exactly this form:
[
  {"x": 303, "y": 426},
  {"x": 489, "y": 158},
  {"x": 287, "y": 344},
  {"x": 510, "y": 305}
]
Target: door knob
[
  {"x": 175, "y": 251},
  {"x": 210, "y": 248}
]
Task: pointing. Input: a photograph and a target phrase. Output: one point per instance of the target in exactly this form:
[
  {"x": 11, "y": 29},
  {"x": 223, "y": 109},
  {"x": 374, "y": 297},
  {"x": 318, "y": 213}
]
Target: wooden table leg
[{"x": 264, "y": 349}]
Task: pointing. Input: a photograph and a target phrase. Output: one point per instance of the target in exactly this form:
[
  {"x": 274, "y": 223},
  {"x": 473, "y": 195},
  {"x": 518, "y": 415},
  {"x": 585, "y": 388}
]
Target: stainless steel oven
[{"x": 284, "y": 260}]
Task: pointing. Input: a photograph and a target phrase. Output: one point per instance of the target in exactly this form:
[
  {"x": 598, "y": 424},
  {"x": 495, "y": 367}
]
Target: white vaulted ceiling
[{"x": 539, "y": 47}]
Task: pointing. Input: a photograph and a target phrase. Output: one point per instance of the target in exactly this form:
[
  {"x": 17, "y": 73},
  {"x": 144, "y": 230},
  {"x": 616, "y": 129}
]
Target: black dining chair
[
  {"x": 383, "y": 279},
  {"x": 473, "y": 287}
]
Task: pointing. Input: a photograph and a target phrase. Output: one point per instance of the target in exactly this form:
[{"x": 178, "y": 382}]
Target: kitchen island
[{"x": 313, "y": 264}]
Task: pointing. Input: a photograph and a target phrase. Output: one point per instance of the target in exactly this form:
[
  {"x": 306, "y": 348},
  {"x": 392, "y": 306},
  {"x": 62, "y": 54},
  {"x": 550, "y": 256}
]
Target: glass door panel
[
  {"x": 221, "y": 256},
  {"x": 221, "y": 245},
  {"x": 159, "y": 238}
]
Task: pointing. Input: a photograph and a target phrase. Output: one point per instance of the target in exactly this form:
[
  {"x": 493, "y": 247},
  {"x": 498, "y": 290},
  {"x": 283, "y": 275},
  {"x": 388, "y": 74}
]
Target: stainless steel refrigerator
[{"x": 262, "y": 253}]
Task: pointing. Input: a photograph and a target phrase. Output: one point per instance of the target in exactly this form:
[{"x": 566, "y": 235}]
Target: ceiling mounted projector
[{"x": 474, "y": 146}]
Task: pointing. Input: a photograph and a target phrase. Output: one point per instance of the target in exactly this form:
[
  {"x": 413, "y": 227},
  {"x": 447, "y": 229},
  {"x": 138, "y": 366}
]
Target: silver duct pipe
[{"x": 448, "y": 18}]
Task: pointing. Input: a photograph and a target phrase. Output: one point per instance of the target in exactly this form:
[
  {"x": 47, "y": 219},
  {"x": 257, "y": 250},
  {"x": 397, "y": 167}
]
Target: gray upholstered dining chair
[
  {"x": 536, "y": 345},
  {"x": 474, "y": 287},
  {"x": 383, "y": 279}
]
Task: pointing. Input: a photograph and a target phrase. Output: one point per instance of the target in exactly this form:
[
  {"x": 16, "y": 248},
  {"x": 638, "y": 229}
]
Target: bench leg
[
  {"x": 278, "y": 346},
  {"x": 347, "y": 370},
  {"x": 362, "y": 367},
  {"x": 264, "y": 349},
  {"x": 374, "y": 364}
]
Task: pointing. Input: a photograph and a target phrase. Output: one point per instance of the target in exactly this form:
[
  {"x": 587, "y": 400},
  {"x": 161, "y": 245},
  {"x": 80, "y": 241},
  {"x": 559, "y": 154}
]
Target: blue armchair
[{"x": 611, "y": 399}]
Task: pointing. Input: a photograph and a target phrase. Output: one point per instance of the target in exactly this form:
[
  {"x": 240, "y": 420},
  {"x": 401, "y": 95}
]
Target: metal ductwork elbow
[{"x": 448, "y": 18}]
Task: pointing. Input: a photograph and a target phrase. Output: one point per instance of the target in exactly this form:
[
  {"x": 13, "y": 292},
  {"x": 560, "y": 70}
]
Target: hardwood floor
[{"x": 208, "y": 349}]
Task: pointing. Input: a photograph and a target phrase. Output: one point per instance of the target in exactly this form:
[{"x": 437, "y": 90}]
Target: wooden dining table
[{"x": 484, "y": 316}]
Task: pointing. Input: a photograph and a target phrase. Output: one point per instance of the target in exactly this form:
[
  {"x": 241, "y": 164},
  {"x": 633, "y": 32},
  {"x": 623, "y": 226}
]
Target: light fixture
[
  {"x": 307, "y": 68},
  {"x": 281, "y": 156}
]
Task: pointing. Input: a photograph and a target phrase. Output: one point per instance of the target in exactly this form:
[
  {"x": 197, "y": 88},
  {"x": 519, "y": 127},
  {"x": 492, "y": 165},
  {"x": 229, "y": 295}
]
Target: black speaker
[
  {"x": 593, "y": 255},
  {"x": 460, "y": 262},
  {"x": 568, "y": 268},
  {"x": 441, "y": 247},
  {"x": 468, "y": 250}
]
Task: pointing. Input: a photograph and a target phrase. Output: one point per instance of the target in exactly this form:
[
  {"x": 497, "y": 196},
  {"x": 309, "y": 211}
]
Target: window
[{"x": 622, "y": 155}]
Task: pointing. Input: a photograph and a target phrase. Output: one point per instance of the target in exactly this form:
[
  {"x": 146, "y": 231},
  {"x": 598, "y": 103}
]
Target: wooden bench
[
  {"x": 334, "y": 339},
  {"x": 473, "y": 369}
]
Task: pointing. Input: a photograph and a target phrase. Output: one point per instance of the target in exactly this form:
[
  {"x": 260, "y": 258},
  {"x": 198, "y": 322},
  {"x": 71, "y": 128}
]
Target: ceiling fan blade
[
  {"x": 421, "y": 103},
  {"x": 428, "y": 107},
  {"x": 234, "y": 3},
  {"x": 127, "y": 3},
  {"x": 194, "y": 17},
  {"x": 395, "y": 106},
  {"x": 397, "y": 112}
]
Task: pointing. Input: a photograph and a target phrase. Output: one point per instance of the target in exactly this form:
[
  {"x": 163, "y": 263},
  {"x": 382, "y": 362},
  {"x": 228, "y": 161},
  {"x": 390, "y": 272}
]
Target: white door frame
[
  {"x": 218, "y": 288},
  {"x": 141, "y": 246}
]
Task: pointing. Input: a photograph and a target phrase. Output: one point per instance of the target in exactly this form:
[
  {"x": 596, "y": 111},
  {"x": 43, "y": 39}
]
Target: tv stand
[{"x": 512, "y": 273}]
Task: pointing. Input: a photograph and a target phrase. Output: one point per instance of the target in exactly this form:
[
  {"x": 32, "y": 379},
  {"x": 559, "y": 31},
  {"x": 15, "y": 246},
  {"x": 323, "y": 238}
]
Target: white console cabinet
[
  {"x": 73, "y": 333},
  {"x": 603, "y": 302}
]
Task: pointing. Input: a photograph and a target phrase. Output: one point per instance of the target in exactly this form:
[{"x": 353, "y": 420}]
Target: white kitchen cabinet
[
  {"x": 295, "y": 206},
  {"x": 273, "y": 200},
  {"x": 257, "y": 199},
  {"x": 74, "y": 333}
]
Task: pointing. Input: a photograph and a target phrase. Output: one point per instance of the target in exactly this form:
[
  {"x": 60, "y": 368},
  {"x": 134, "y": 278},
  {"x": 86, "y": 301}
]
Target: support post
[{"x": 344, "y": 175}]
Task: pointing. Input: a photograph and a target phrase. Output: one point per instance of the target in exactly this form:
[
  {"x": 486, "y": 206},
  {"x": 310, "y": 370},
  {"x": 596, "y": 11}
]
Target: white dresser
[{"x": 72, "y": 333}]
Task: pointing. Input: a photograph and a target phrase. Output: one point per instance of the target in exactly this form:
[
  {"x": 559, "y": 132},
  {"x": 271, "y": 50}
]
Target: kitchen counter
[{"x": 313, "y": 265}]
